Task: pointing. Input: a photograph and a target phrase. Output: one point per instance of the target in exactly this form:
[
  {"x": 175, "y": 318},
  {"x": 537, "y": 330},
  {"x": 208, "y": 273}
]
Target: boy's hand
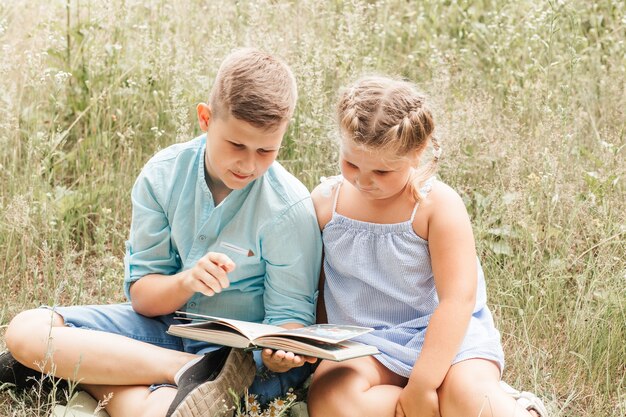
[
  {"x": 281, "y": 361},
  {"x": 208, "y": 276}
]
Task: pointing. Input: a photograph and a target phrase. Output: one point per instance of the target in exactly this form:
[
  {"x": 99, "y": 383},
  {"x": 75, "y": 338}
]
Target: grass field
[{"x": 530, "y": 104}]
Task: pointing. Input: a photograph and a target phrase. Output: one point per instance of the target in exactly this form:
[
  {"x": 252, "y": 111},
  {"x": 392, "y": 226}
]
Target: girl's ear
[
  {"x": 415, "y": 156},
  {"x": 204, "y": 116}
]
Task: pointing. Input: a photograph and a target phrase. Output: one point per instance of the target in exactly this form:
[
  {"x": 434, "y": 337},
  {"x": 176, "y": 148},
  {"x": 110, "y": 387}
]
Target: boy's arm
[
  {"x": 171, "y": 292},
  {"x": 148, "y": 249},
  {"x": 151, "y": 263},
  {"x": 169, "y": 289},
  {"x": 291, "y": 247},
  {"x": 153, "y": 279}
]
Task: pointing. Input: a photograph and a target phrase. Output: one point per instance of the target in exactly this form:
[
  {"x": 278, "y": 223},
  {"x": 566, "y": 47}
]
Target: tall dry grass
[{"x": 530, "y": 99}]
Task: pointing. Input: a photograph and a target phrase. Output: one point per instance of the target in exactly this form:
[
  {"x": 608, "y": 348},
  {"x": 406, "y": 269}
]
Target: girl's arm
[{"x": 453, "y": 257}]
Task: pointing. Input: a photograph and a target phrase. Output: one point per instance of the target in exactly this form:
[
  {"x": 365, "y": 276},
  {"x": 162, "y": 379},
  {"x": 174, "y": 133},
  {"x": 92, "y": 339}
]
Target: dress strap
[
  {"x": 327, "y": 185},
  {"x": 428, "y": 185},
  {"x": 414, "y": 211},
  {"x": 337, "y": 195}
]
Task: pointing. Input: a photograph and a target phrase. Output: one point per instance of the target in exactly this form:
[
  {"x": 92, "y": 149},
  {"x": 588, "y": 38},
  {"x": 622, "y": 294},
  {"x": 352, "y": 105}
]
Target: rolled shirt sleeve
[
  {"x": 292, "y": 248},
  {"x": 149, "y": 249}
]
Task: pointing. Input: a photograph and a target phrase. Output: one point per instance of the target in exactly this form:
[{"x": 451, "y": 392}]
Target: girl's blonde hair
[
  {"x": 255, "y": 87},
  {"x": 382, "y": 113}
]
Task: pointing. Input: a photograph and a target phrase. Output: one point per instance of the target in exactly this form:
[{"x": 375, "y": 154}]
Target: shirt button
[
  {"x": 192, "y": 304},
  {"x": 202, "y": 238}
]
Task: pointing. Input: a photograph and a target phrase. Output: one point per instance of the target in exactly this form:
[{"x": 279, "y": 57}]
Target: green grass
[{"x": 530, "y": 105}]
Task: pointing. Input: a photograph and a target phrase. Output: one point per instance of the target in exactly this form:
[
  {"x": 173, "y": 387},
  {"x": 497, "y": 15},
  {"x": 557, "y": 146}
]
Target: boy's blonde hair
[
  {"x": 381, "y": 113},
  {"x": 255, "y": 87}
]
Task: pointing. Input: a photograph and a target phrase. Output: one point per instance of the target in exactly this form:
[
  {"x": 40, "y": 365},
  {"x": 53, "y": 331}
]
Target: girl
[{"x": 400, "y": 257}]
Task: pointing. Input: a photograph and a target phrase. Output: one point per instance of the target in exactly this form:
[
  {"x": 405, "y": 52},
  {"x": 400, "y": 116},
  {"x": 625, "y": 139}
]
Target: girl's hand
[
  {"x": 281, "y": 361},
  {"x": 208, "y": 275},
  {"x": 417, "y": 403}
]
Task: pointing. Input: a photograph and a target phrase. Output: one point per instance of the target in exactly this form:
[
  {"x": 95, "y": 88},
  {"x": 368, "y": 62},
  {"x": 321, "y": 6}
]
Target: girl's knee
[
  {"x": 327, "y": 398},
  {"x": 27, "y": 327},
  {"x": 329, "y": 404},
  {"x": 468, "y": 387},
  {"x": 317, "y": 396}
]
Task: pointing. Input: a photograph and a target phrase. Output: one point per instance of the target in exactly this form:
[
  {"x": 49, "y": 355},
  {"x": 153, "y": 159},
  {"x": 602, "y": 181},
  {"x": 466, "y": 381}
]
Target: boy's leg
[
  {"x": 472, "y": 387},
  {"x": 136, "y": 401},
  {"x": 110, "y": 357},
  {"x": 44, "y": 337},
  {"x": 206, "y": 387},
  {"x": 357, "y": 387},
  {"x": 127, "y": 354}
]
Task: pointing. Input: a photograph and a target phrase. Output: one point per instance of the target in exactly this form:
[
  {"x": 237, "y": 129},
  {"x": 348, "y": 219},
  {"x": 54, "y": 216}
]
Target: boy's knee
[{"x": 26, "y": 329}]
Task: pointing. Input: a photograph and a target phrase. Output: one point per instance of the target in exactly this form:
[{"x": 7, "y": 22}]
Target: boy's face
[{"x": 237, "y": 152}]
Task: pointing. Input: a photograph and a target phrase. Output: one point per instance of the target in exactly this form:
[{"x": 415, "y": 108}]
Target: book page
[
  {"x": 248, "y": 329},
  {"x": 211, "y": 332},
  {"x": 329, "y": 333},
  {"x": 333, "y": 351}
]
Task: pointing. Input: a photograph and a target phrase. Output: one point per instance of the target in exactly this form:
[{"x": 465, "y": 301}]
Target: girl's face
[{"x": 377, "y": 175}]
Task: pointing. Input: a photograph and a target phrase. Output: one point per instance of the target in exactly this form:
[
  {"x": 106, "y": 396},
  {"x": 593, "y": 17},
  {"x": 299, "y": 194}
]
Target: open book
[{"x": 326, "y": 341}]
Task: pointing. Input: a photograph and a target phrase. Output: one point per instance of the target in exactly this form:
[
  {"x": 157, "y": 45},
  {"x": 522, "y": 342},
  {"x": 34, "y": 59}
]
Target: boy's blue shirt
[{"x": 175, "y": 222}]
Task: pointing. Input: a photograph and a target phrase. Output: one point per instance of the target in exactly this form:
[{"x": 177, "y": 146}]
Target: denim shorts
[{"x": 121, "y": 319}]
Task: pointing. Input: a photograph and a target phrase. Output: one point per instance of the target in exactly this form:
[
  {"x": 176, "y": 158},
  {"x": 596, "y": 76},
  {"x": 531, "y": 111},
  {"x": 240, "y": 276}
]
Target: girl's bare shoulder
[
  {"x": 441, "y": 204},
  {"x": 442, "y": 194},
  {"x": 323, "y": 199}
]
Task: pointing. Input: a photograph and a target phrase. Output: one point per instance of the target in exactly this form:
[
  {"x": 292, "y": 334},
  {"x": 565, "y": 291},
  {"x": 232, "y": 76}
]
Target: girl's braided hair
[{"x": 381, "y": 113}]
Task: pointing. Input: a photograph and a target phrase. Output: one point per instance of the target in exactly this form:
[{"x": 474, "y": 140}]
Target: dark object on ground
[{"x": 21, "y": 378}]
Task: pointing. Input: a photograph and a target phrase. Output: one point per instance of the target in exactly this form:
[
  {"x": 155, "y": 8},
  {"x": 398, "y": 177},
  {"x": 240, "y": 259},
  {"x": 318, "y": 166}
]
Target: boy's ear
[{"x": 204, "y": 116}]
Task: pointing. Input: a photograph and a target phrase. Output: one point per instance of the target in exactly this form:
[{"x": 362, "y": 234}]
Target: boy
[{"x": 223, "y": 187}]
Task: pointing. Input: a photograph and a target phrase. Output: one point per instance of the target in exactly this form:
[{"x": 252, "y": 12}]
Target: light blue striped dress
[{"x": 380, "y": 276}]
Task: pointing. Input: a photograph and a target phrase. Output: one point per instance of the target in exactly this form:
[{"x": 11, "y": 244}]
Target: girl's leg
[
  {"x": 472, "y": 388},
  {"x": 136, "y": 401},
  {"x": 40, "y": 337},
  {"x": 358, "y": 387}
]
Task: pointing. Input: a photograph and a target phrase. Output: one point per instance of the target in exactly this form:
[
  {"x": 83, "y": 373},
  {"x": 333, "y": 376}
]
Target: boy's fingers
[
  {"x": 271, "y": 354},
  {"x": 196, "y": 282},
  {"x": 222, "y": 260},
  {"x": 220, "y": 265},
  {"x": 211, "y": 282},
  {"x": 302, "y": 359},
  {"x": 206, "y": 291},
  {"x": 214, "y": 275},
  {"x": 282, "y": 357},
  {"x": 214, "y": 285}
]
